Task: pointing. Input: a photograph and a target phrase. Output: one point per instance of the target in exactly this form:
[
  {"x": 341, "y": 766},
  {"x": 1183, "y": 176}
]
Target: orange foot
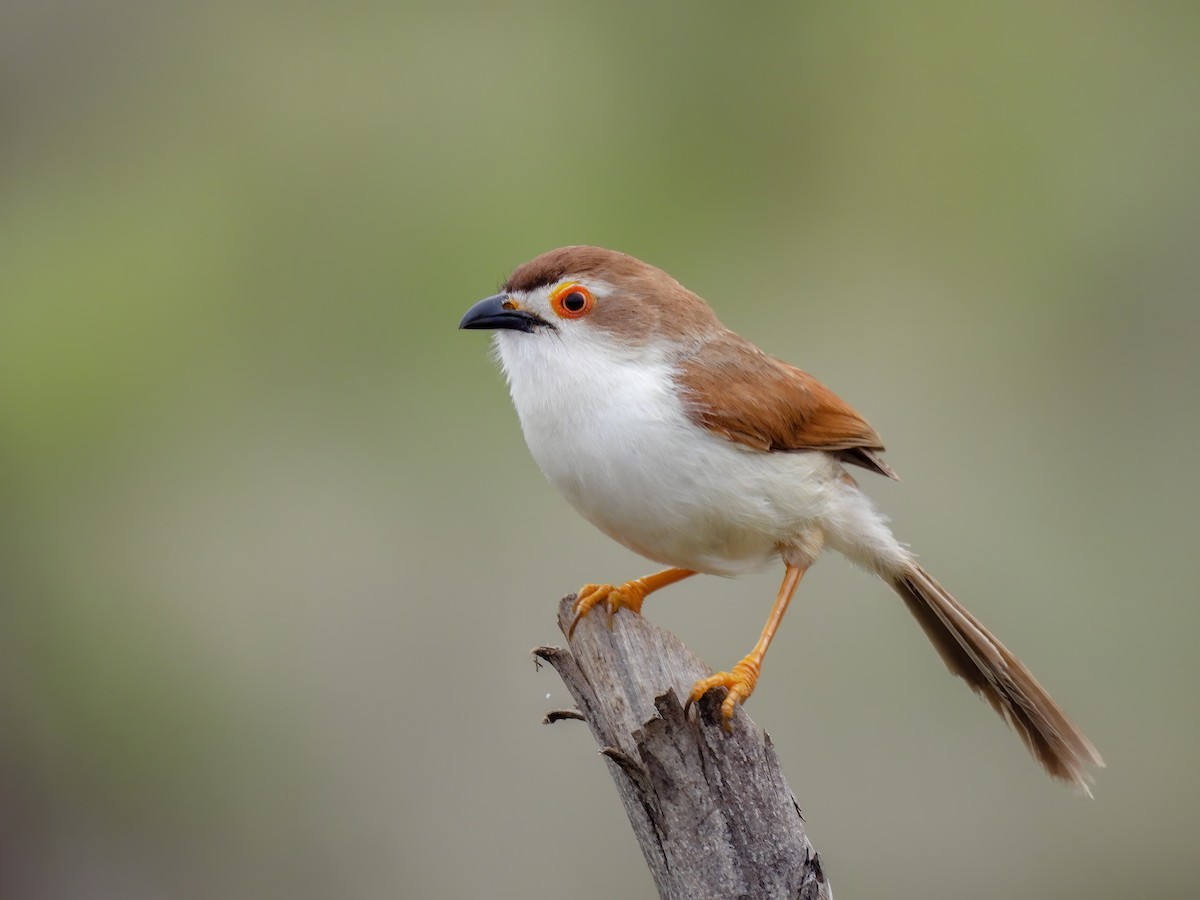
[
  {"x": 739, "y": 683},
  {"x": 628, "y": 596}
]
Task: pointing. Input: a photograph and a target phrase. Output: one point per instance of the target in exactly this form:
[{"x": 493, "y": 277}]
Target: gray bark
[{"x": 713, "y": 814}]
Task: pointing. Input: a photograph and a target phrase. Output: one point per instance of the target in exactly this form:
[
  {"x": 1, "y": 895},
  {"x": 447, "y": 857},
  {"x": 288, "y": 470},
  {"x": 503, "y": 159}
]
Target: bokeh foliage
[{"x": 271, "y": 549}]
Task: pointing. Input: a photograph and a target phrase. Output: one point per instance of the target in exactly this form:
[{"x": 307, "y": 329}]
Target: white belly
[{"x": 613, "y": 437}]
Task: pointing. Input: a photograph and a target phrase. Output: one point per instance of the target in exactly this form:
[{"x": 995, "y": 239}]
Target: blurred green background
[{"x": 273, "y": 551}]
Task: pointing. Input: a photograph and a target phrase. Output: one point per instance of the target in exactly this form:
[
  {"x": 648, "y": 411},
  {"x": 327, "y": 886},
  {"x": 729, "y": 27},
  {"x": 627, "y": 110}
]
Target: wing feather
[{"x": 748, "y": 397}]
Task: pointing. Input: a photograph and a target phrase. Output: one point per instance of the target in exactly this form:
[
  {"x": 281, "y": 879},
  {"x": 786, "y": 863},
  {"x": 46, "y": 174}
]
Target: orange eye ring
[{"x": 571, "y": 300}]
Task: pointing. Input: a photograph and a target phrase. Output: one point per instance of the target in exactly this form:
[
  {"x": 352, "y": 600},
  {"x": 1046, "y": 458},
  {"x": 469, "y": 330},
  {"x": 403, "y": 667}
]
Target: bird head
[{"x": 584, "y": 296}]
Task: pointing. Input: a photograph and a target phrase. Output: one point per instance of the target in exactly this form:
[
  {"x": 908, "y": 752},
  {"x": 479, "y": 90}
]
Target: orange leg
[
  {"x": 628, "y": 596},
  {"x": 740, "y": 682}
]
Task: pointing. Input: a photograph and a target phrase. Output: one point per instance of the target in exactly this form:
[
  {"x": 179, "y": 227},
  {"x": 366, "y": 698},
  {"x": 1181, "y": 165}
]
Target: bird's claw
[
  {"x": 628, "y": 596},
  {"x": 738, "y": 683}
]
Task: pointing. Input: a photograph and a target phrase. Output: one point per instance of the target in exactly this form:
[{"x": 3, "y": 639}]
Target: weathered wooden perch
[{"x": 712, "y": 811}]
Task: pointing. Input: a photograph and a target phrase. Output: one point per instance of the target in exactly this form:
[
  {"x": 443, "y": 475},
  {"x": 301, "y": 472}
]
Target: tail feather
[{"x": 971, "y": 652}]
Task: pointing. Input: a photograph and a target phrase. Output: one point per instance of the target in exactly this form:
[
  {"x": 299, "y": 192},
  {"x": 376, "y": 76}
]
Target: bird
[{"x": 686, "y": 443}]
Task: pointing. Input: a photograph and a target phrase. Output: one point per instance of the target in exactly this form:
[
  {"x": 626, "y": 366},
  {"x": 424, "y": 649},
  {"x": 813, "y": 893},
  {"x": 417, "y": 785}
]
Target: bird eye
[{"x": 572, "y": 300}]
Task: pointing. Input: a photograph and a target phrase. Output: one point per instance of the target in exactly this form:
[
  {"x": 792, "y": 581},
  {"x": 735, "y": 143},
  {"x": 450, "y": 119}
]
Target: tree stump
[{"x": 713, "y": 814}]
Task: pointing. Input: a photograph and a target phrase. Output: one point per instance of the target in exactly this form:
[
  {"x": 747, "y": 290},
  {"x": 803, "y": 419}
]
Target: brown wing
[{"x": 746, "y": 396}]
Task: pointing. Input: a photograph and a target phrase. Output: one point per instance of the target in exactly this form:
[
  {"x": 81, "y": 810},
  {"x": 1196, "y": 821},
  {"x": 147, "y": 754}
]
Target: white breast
[{"x": 608, "y": 429}]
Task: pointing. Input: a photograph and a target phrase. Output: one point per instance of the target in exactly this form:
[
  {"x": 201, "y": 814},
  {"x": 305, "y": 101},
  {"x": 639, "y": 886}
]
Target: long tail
[{"x": 971, "y": 652}]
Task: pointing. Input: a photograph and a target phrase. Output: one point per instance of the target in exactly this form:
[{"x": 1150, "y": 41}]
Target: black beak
[{"x": 500, "y": 312}]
